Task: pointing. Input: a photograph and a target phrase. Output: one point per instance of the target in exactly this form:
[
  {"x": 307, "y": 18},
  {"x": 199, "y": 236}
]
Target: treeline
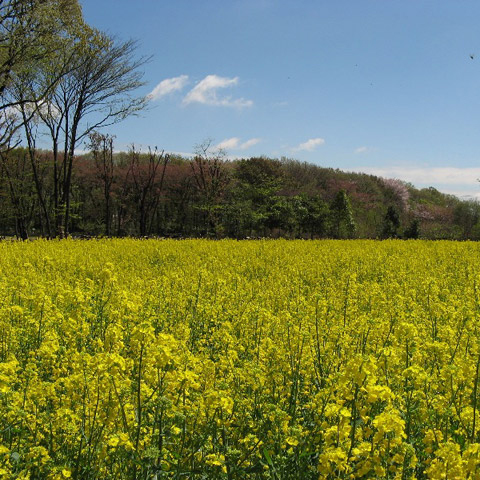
[{"x": 156, "y": 194}]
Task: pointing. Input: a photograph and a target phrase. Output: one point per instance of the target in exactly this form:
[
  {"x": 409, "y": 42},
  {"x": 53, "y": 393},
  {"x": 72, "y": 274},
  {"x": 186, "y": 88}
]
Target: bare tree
[
  {"x": 147, "y": 183},
  {"x": 97, "y": 92},
  {"x": 101, "y": 147},
  {"x": 211, "y": 179}
]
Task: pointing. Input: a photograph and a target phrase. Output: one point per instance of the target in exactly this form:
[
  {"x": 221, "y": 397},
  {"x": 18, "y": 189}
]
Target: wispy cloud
[
  {"x": 229, "y": 143},
  {"x": 309, "y": 145},
  {"x": 249, "y": 143},
  {"x": 427, "y": 175},
  {"x": 362, "y": 150},
  {"x": 466, "y": 194},
  {"x": 205, "y": 92},
  {"x": 169, "y": 85},
  {"x": 234, "y": 143}
]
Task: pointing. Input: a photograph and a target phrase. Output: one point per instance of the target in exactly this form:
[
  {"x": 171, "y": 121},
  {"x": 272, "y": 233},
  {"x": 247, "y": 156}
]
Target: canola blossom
[{"x": 149, "y": 359}]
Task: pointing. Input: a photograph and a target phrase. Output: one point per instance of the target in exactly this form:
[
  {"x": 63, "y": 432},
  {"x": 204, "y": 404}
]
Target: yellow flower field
[{"x": 145, "y": 359}]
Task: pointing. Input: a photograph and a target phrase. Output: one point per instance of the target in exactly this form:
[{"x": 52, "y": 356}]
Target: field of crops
[{"x": 130, "y": 359}]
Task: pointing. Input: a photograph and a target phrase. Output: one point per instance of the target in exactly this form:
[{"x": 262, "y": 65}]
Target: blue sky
[{"x": 382, "y": 86}]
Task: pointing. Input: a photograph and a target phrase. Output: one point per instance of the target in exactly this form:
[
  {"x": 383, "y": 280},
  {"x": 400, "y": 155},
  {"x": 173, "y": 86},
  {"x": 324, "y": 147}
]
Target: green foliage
[
  {"x": 313, "y": 215},
  {"x": 467, "y": 216},
  {"x": 413, "y": 230},
  {"x": 341, "y": 217},
  {"x": 208, "y": 196},
  {"x": 31, "y": 35},
  {"x": 391, "y": 223},
  {"x": 31, "y": 32}
]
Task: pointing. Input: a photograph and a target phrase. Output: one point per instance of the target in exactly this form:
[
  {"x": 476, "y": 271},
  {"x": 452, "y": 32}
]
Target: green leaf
[{"x": 268, "y": 457}]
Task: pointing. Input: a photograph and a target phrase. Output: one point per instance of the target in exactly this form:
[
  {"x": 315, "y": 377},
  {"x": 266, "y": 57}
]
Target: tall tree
[
  {"x": 98, "y": 91},
  {"x": 101, "y": 146},
  {"x": 391, "y": 223},
  {"x": 342, "y": 222},
  {"x": 258, "y": 181},
  {"x": 413, "y": 230},
  {"x": 210, "y": 178},
  {"x": 313, "y": 215},
  {"x": 147, "y": 184}
]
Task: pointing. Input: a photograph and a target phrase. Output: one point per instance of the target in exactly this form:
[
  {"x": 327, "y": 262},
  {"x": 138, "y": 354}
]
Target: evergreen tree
[
  {"x": 342, "y": 224},
  {"x": 413, "y": 230},
  {"x": 391, "y": 223}
]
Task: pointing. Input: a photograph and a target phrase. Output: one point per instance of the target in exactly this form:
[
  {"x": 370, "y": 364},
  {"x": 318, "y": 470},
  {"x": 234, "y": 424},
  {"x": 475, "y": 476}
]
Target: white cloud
[
  {"x": 461, "y": 182},
  {"x": 235, "y": 144},
  {"x": 427, "y": 175},
  {"x": 309, "y": 145},
  {"x": 169, "y": 85},
  {"x": 463, "y": 194},
  {"x": 249, "y": 143},
  {"x": 361, "y": 150},
  {"x": 205, "y": 92},
  {"x": 49, "y": 110},
  {"x": 364, "y": 149},
  {"x": 229, "y": 143}
]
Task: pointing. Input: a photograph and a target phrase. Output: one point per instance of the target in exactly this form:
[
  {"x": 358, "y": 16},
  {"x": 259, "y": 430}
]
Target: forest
[{"x": 155, "y": 194}]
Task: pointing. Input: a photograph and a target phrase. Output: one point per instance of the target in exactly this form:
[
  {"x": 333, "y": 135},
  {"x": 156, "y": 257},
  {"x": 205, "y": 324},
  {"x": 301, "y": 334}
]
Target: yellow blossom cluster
[{"x": 162, "y": 359}]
